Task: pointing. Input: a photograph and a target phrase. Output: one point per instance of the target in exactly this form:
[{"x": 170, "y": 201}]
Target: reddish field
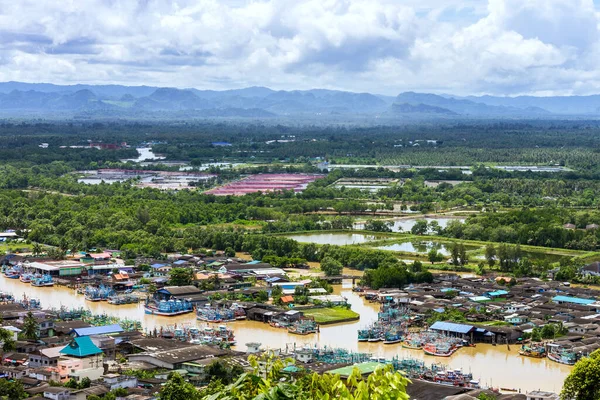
[{"x": 265, "y": 183}]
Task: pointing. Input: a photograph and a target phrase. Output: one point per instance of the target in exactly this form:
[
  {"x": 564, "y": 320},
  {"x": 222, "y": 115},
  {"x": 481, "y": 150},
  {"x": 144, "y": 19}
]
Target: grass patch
[
  {"x": 495, "y": 323},
  {"x": 330, "y": 315}
]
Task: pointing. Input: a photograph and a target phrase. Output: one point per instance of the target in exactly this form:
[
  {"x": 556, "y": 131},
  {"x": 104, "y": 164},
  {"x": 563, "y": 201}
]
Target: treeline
[{"x": 537, "y": 227}]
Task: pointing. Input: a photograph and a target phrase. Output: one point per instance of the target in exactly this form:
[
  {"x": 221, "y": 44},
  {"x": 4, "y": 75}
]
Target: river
[{"x": 492, "y": 365}]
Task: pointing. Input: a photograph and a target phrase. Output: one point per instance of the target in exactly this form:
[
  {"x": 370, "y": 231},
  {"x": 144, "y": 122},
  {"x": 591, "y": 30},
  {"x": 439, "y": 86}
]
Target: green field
[{"x": 330, "y": 315}]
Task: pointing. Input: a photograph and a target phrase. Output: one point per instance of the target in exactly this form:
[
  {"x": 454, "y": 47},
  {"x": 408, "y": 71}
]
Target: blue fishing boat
[
  {"x": 168, "y": 308},
  {"x": 42, "y": 281},
  {"x": 100, "y": 293}
]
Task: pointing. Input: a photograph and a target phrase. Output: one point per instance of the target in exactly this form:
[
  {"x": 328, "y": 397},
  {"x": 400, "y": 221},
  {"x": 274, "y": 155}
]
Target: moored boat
[
  {"x": 533, "y": 351},
  {"x": 304, "y": 326},
  {"x": 42, "y": 281},
  {"x": 168, "y": 308}
]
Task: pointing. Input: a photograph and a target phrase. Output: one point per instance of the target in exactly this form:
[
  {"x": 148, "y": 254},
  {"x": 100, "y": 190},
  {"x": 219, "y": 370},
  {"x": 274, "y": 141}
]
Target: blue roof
[
  {"x": 451, "y": 327},
  {"x": 448, "y": 290},
  {"x": 253, "y": 262},
  {"x": 574, "y": 300},
  {"x": 498, "y": 293},
  {"x": 98, "y": 330},
  {"x": 158, "y": 265},
  {"x": 179, "y": 262},
  {"x": 81, "y": 347}
]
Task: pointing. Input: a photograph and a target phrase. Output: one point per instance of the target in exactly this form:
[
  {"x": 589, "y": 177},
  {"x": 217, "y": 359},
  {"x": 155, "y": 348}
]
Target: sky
[{"x": 462, "y": 47}]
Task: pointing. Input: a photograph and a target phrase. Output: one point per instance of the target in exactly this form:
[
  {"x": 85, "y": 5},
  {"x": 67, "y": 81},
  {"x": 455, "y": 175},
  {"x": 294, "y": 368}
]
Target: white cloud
[{"x": 383, "y": 46}]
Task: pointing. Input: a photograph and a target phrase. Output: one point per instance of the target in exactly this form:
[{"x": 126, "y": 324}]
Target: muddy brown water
[{"x": 494, "y": 366}]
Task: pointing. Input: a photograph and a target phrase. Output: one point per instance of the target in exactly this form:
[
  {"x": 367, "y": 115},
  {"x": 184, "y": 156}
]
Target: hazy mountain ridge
[{"x": 257, "y": 101}]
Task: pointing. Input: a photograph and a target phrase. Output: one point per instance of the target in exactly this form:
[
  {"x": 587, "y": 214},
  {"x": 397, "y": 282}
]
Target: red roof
[{"x": 287, "y": 299}]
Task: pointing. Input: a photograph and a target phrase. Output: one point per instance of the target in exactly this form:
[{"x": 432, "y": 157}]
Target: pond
[
  {"x": 145, "y": 153},
  {"x": 335, "y": 238},
  {"x": 422, "y": 246},
  {"x": 406, "y": 224}
]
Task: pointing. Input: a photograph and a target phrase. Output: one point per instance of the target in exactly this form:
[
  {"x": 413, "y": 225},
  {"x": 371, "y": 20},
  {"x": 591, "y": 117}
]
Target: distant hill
[
  {"x": 465, "y": 107},
  {"x": 406, "y": 108},
  {"x": 19, "y": 98}
]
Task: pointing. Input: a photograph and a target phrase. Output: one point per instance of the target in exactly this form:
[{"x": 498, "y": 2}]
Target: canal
[{"x": 495, "y": 366}]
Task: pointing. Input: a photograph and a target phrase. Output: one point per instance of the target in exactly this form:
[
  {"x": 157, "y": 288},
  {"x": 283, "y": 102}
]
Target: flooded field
[
  {"x": 417, "y": 247},
  {"x": 335, "y": 238},
  {"x": 406, "y": 224},
  {"x": 145, "y": 153},
  {"x": 495, "y": 366}
]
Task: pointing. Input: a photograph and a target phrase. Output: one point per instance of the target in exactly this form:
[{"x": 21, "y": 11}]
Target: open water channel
[{"x": 494, "y": 366}]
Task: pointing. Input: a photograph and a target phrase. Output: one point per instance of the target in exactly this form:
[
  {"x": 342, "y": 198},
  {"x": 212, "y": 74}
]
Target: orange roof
[
  {"x": 287, "y": 299},
  {"x": 121, "y": 276}
]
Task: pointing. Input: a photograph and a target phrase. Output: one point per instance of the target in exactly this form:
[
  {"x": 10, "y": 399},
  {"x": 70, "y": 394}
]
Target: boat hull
[{"x": 154, "y": 311}]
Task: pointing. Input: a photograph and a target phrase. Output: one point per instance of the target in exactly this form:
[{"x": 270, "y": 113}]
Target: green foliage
[
  {"x": 30, "y": 327},
  {"x": 331, "y": 266},
  {"x": 582, "y": 382},
  {"x": 181, "y": 276},
  {"x": 12, "y": 390},
  {"x": 177, "y": 388}
]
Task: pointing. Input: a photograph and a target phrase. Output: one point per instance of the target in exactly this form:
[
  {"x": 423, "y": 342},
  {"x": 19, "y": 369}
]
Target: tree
[
  {"x": 276, "y": 294},
  {"x": 8, "y": 344},
  {"x": 434, "y": 256},
  {"x": 462, "y": 253},
  {"x": 12, "y": 390},
  {"x": 331, "y": 266},
  {"x": 420, "y": 227},
  {"x": 30, "y": 327},
  {"x": 455, "y": 254},
  {"x": 582, "y": 382},
  {"x": 177, "y": 388},
  {"x": 181, "y": 277},
  {"x": 490, "y": 254}
]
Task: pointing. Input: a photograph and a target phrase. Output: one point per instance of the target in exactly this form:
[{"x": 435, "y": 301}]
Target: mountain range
[{"x": 19, "y": 98}]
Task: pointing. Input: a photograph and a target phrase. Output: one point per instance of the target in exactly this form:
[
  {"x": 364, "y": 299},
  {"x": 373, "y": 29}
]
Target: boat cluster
[
  {"x": 28, "y": 303},
  {"x": 434, "y": 343},
  {"x": 221, "y": 336},
  {"x": 99, "y": 293},
  {"x": 391, "y": 326},
  {"x": 217, "y": 313},
  {"x": 35, "y": 279}
]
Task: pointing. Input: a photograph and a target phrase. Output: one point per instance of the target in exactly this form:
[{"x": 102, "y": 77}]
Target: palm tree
[
  {"x": 37, "y": 249},
  {"x": 30, "y": 327}
]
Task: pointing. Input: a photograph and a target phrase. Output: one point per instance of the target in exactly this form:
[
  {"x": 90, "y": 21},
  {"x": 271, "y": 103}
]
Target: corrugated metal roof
[
  {"x": 81, "y": 347},
  {"x": 98, "y": 330},
  {"x": 451, "y": 327},
  {"x": 574, "y": 300}
]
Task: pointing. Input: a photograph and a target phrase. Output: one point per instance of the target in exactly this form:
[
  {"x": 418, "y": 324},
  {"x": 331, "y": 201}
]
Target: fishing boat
[
  {"x": 42, "y": 281},
  {"x": 26, "y": 278},
  {"x": 303, "y": 326},
  {"x": 13, "y": 273},
  {"x": 216, "y": 314},
  {"x": 413, "y": 343},
  {"x": 374, "y": 336},
  {"x": 392, "y": 337},
  {"x": 454, "y": 378},
  {"x": 533, "y": 351},
  {"x": 168, "y": 308},
  {"x": 563, "y": 357},
  {"x": 100, "y": 293},
  {"x": 125, "y": 299},
  {"x": 439, "y": 349},
  {"x": 363, "y": 335}
]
